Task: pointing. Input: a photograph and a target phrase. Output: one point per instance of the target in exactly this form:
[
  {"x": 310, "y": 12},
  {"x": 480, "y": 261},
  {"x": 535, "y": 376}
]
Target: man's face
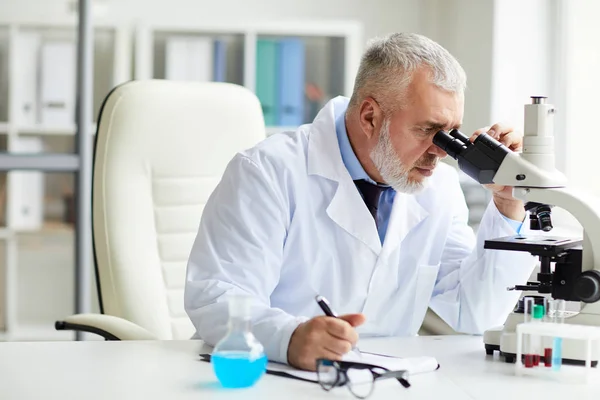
[{"x": 405, "y": 154}]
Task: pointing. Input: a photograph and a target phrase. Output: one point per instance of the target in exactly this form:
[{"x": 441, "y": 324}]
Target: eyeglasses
[{"x": 358, "y": 377}]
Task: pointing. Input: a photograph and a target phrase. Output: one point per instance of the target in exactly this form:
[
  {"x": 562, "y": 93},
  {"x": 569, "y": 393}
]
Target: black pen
[{"x": 324, "y": 304}]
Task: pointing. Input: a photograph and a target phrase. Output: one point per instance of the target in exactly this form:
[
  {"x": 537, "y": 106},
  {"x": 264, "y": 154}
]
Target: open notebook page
[{"x": 414, "y": 365}]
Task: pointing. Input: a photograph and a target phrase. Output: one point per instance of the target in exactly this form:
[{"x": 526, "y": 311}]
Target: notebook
[{"x": 414, "y": 365}]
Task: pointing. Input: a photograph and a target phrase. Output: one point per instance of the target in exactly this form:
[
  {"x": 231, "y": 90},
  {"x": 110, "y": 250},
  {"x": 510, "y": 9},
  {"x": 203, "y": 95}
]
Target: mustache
[{"x": 428, "y": 161}]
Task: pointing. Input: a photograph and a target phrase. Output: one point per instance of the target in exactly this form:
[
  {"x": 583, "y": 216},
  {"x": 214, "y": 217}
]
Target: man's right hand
[{"x": 323, "y": 337}]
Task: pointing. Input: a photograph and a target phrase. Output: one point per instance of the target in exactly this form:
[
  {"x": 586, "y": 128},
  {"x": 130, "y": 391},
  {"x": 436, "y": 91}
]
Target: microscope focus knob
[{"x": 587, "y": 286}]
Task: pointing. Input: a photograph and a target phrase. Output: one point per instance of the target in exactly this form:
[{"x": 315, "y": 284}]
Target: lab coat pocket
[{"x": 426, "y": 277}]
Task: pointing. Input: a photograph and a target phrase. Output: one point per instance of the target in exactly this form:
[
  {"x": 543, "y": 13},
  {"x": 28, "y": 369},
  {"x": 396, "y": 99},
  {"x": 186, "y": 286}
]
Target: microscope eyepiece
[
  {"x": 487, "y": 140},
  {"x": 479, "y": 159},
  {"x": 452, "y": 145},
  {"x": 455, "y": 133}
]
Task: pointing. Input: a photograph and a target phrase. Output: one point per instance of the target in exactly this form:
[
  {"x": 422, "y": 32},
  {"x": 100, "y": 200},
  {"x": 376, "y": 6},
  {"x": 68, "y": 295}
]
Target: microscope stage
[{"x": 536, "y": 245}]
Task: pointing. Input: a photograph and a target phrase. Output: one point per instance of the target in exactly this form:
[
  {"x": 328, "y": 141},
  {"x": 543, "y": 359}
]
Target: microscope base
[{"x": 504, "y": 340}]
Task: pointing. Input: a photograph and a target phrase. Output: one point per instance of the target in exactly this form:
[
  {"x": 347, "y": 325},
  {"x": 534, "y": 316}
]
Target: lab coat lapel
[
  {"x": 406, "y": 214},
  {"x": 346, "y": 208}
]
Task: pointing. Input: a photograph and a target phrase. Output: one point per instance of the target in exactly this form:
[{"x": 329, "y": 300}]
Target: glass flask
[{"x": 238, "y": 359}]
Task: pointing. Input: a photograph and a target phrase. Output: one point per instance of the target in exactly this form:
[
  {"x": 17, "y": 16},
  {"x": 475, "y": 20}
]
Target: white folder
[
  {"x": 189, "y": 58},
  {"x": 25, "y": 192},
  {"x": 57, "y": 86},
  {"x": 26, "y": 78}
]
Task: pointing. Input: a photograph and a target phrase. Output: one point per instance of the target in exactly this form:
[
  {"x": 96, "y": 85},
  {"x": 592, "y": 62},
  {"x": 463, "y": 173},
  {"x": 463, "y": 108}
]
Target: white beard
[{"x": 391, "y": 168}]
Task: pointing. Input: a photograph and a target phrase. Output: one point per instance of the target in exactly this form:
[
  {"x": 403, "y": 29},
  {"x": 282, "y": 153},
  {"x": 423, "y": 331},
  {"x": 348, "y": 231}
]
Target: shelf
[
  {"x": 47, "y": 228},
  {"x": 6, "y": 233},
  {"x": 51, "y": 130},
  {"x": 332, "y": 50},
  {"x": 324, "y": 27}
]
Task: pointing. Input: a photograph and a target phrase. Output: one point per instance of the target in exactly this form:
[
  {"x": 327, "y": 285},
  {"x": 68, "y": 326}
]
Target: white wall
[
  {"x": 465, "y": 28},
  {"x": 378, "y": 16},
  {"x": 582, "y": 84},
  {"x": 514, "y": 49},
  {"x": 504, "y": 47},
  {"x": 551, "y": 48},
  {"x": 529, "y": 54},
  {"x": 521, "y": 58}
]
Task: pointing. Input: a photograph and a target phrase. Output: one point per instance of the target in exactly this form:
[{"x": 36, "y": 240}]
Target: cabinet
[
  {"x": 37, "y": 115},
  {"x": 311, "y": 61},
  {"x": 294, "y": 68}
]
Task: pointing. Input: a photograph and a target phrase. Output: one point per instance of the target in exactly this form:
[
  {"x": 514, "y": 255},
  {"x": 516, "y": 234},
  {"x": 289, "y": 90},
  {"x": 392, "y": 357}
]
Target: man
[{"x": 356, "y": 207}]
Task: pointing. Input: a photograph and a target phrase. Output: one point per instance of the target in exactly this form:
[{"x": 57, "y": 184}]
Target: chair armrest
[{"x": 107, "y": 326}]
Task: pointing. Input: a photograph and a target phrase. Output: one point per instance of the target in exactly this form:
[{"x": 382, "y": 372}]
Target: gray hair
[{"x": 388, "y": 64}]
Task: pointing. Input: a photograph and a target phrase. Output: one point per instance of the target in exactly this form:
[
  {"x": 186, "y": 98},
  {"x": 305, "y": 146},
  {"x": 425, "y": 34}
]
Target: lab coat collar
[
  {"x": 324, "y": 156},
  {"x": 347, "y": 208}
]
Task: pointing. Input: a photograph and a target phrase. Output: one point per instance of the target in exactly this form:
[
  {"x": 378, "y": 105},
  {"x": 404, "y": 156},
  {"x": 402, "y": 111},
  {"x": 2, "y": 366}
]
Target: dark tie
[{"x": 371, "y": 194}]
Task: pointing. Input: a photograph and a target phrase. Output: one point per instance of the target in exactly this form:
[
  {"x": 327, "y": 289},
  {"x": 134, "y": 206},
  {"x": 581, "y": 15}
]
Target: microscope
[{"x": 569, "y": 267}]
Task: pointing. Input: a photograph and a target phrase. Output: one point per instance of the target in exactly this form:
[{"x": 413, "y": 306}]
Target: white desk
[{"x": 172, "y": 370}]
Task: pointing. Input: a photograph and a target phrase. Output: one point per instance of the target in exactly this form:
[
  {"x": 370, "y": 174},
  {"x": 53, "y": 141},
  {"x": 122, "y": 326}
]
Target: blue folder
[
  {"x": 220, "y": 61},
  {"x": 266, "y": 79},
  {"x": 291, "y": 80}
]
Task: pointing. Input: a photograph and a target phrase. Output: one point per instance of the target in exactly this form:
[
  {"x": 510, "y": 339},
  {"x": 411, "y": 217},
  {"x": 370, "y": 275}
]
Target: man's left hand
[{"x": 503, "y": 195}]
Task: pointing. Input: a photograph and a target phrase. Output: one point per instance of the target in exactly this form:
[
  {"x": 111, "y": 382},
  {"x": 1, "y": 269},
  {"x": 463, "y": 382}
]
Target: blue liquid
[
  {"x": 237, "y": 369},
  {"x": 557, "y": 353}
]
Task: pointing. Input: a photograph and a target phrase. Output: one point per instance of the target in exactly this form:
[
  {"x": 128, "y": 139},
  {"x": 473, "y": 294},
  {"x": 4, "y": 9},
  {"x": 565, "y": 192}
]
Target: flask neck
[{"x": 239, "y": 324}]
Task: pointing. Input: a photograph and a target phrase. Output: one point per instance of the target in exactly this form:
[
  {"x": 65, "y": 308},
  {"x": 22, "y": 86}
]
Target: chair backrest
[{"x": 161, "y": 148}]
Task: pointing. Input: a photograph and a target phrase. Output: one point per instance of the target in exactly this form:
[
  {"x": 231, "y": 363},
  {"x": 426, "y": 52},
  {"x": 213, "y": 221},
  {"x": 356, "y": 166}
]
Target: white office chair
[{"x": 161, "y": 148}]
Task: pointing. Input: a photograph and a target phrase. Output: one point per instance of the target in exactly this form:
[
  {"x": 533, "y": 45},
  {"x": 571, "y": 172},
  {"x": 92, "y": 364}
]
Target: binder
[
  {"x": 189, "y": 58},
  {"x": 26, "y": 77},
  {"x": 220, "y": 61},
  {"x": 266, "y": 79},
  {"x": 291, "y": 74},
  {"x": 25, "y": 194},
  {"x": 57, "y": 86},
  {"x": 4, "y": 98}
]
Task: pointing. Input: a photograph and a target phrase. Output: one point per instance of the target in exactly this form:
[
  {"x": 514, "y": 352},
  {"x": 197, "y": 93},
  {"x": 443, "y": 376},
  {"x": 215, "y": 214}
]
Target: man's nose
[{"x": 435, "y": 150}]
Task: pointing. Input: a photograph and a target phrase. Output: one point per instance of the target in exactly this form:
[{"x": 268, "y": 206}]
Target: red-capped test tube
[{"x": 528, "y": 303}]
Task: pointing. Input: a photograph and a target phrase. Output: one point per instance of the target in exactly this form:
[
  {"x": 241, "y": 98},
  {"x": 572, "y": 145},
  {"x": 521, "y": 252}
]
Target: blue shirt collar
[{"x": 348, "y": 157}]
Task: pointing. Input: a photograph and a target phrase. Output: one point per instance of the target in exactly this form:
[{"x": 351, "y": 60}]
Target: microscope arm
[
  {"x": 536, "y": 181},
  {"x": 533, "y": 184},
  {"x": 586, "y": 209},
  {"x": 516, "y": 171},
  {"x": 488, "y": 161}
]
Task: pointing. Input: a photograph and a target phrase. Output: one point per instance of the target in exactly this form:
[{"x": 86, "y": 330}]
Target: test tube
[
  {"x": 541, "y": 342},
  {"x": 559, "y": 318},
  {"x": 528, "y": 303},
  {"x": 536, "y": 340},
  {"x": 548, "y": 340}
]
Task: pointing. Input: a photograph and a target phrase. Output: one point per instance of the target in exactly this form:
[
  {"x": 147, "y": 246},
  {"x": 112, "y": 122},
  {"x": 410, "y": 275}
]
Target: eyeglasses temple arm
[{"x": 401, "y": 376}]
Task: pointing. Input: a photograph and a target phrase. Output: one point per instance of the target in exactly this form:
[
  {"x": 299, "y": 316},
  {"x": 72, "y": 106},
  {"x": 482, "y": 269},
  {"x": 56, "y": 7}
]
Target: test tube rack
[{"x": 588, "y": 336}]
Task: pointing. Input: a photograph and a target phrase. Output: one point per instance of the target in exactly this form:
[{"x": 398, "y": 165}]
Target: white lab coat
[{"x": 286, "y": 222}]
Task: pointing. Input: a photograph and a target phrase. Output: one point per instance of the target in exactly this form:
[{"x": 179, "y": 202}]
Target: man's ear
[{"x": 370, "y": 117}]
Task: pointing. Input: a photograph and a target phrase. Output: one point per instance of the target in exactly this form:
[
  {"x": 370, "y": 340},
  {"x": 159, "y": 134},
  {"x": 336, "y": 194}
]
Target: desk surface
[{"x": 172, "y": 370}]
